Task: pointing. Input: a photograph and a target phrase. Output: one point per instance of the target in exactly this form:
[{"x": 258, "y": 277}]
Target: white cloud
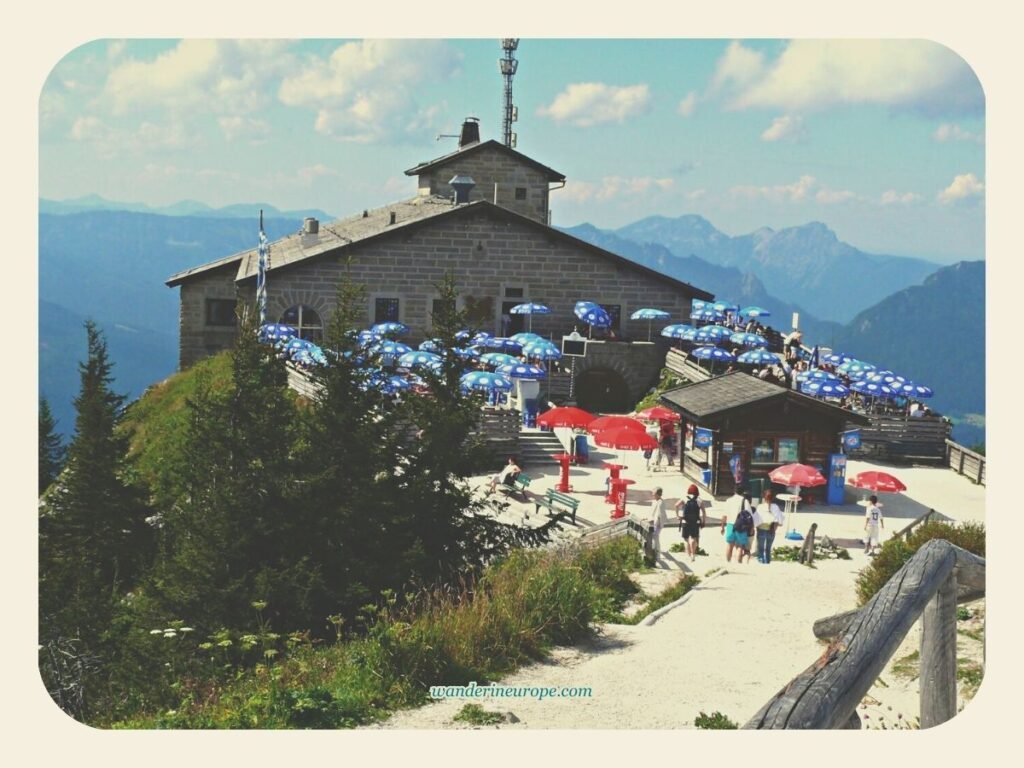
[
  {"x": 892, "y": 197},
  {"x": 953, "y": 132},
  {"x": 787, "y": 127},
  {"x": 778, "y": 193},
  {"x": 834, "y": 196},
  {"x": 688, "y": 104},
  {"x": 89, "y": 129},
  {"x": 249, "y": 129},
  {"x": 587, "y": 104},
  {"x": 817, "y": 74},
  {"x": 611, "y": 187},
  {"x": 964, "y": 187},
  {"x": 311, "y": 173},
  {"x": 368, "y": 90}
]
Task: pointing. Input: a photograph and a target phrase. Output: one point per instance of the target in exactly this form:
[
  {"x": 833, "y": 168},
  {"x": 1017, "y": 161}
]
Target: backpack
[
  {"x": 744, "y": 522},
  {"x": 691, "y": 511}
]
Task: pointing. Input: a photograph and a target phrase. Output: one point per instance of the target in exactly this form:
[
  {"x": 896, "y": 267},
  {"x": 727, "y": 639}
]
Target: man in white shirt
[
  {"x": 873, "y": 523},
  {"x": 658, "y": 520}
]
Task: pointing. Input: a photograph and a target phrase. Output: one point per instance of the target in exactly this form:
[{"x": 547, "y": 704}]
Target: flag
[
  {"x": 736, "y": 467},
  {"x": 261, "y": 276},
  {"x": 702, "y": 437},
  {"x": 851, "y": 440}
]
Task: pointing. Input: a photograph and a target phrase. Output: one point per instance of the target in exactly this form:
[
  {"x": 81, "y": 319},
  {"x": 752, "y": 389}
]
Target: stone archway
[{"x": 602, "y": 390}]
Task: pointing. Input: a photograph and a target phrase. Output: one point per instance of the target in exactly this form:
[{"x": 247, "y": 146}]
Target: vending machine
[{"x": 835, "y": 492}]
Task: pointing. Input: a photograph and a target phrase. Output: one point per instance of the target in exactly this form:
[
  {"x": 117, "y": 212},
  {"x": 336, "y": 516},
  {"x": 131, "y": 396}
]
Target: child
[{"x": 873, "y": 522}]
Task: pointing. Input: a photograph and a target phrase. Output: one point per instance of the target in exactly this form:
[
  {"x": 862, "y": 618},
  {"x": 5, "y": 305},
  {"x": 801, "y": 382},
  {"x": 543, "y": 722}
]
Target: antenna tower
[{"x": 508, "y": 64}]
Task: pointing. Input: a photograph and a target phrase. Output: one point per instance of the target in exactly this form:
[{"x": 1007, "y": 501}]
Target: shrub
[
  {"x": 714, "y": 721},
  {"x": 896, "y": 552},
  {"x": 474, "y": 714}
]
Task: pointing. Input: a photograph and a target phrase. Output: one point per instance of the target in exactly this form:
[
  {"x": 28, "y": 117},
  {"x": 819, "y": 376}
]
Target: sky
[{"x": 883, "y": 140}]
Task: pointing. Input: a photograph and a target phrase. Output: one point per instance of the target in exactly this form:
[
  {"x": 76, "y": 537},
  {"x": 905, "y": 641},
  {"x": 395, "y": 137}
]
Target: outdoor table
[
  {"x": 613, "y": 475},
  {"x": 619, "y": 488},
  {"x": 564, "y": 459},
  {"x": 791, "y": 500}
]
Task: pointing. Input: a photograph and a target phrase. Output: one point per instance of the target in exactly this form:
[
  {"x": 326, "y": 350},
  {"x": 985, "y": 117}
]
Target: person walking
[
  {"x": 873, "y": 522},
  {"x": 658, "y": 520},
  {"x": 767, "y": 518},
  {"x": 693, "y": 519},
  {"x": 737, "y": 533}
]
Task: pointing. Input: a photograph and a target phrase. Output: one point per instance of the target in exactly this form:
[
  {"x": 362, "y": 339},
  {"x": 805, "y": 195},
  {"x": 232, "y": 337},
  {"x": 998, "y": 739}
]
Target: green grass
[
  {"x": 515, "y": 613},
  {"x": 908, "y": 667},
  {"x": 474, "y": 714},
  {"x": 714, "y": 721},
  {"x": 666, "y": 380},
  {"x": 665, "y": 597}
]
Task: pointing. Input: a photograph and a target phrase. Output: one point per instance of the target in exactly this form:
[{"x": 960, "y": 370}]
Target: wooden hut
[{"x": 757, "y": 424}]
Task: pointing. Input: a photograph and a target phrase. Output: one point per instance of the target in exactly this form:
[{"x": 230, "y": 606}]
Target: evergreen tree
[
  {"x": 93, "y": 536},
  {"x": 51, "y": 449}
]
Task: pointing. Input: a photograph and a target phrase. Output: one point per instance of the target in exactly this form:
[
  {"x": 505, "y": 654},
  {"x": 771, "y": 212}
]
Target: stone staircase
[{"x": 536, "y": 449}]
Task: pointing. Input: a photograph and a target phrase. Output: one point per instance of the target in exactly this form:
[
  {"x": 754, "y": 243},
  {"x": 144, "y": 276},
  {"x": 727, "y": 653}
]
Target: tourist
[
  {"x": 737, "y": 533},
  {"x": 693, "y": 519},
  {"x": 658, "y": 520},
  {"x": 873, "y": 523},
  {"x": 767, "y": 518},
  {"x": 507, "y": 476}
]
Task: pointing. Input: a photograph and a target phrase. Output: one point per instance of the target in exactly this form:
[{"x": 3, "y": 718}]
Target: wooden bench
[
  {"x": 557, "y": 503},
  {"x": 519, "y": 485}
]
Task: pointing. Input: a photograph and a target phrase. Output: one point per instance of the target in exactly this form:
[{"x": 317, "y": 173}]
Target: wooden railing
[
  {"x": 678, "y": 362},
  {"x": 908, "y": 529},
  {"x": 965, "y": 462},
  {"x": 903, "y": 438},
  {"x": 827, "y": 693},
  {"x": 626, "y": 526}
]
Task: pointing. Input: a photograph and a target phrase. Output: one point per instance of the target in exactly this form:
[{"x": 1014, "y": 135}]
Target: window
[
  {"x": 220, "y": 312},
  {"x": 385, "y": 310},
  {"x": 615, "y": 313},
  {"x": 520, "y": 193},
  {"x": 305, "y": 320},
  {"x": 513, "y": 293},
  {"x": 769, "y": 450}
]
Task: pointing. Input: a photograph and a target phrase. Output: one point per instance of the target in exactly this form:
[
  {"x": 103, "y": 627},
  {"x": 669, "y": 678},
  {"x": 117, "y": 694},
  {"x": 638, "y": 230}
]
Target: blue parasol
[
  {"x": 432, "y": 345},
  {"x": 592, "y": 314},
  {"x": 485, "y": 381},
  {"x": 542, "y": 350},
  {"x": 650, "y": 314},
  {"x": 754, "y": 311},
  {"x": 758, "y": 357},
  {"x": 749, "y": 340},
  {"x": 417, "y": 359},
  {"x": 822, "y": 388},
  {"x": 522, "y": 371},
  {"x": 530, "y": 309},
  {"x": 390, "y": 328},
  {"x": 276, "y": 332}
]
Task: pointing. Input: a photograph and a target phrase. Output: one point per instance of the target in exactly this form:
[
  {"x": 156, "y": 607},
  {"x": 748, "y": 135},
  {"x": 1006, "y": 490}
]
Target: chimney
[
  {"x": 462, "y": 185},
  {"x": 391, "y": 219},
  {"x": 470, "y": 132},
  {"x": 310, "y": 226}
]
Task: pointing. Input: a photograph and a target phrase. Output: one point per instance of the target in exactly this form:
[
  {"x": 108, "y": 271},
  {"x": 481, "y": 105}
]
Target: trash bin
[
  {"x": 582, "y": 449},
  {"x": 705, "y": 475},
  {"x": 756, "y": 487}
]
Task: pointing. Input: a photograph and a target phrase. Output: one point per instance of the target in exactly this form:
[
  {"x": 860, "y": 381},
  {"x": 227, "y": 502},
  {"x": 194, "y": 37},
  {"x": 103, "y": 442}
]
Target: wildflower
[
  {"x": 156, "y": 631},
  {"x": 183, "y": 630}
]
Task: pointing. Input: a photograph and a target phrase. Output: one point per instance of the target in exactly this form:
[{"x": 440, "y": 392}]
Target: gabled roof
[
  {"x": 409, "y": 216},
  {"x": 470, "y": 149},
  {"x": 730, "y": 392}
]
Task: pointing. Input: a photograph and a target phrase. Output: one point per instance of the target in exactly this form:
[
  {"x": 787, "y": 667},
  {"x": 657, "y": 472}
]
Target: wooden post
[
  {"x": 938, "y": 656},
  {"x": 807, "y": 552}
]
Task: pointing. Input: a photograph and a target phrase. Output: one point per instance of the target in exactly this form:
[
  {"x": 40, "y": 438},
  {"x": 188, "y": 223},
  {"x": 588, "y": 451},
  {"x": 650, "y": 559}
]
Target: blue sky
[{"x": 882, "y": 140}]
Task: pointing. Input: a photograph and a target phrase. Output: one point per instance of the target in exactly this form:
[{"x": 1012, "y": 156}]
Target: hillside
[{"x": 807, "y": 266}]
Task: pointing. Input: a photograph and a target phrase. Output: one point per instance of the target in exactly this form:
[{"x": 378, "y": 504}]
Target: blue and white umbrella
[
  {"x": 707, "y": 315},
  {"x": 502, "y": 344},
  {"x": 690, "y": 334},
  {"x": 890, "y": 379},
  {"x": 716, "y": 354},
  {"x": 389, "y": 351},
  {"x": 498, "y": 358},
  {"x": 367, "y": 339},
  {"x": 825, "y": 389},
  {"x": 530, "y": 309},
  {"x": 856, "y": 369},
  {"x": 816, "y": 374},
  {"x": 466, "y": 354},
  {"x": 749, "y": 340},
  {"x": 522, "y": 371},
  {"x": 916, "y": 391},
  {"x": 698, "y": 304},
  {"x": 870, "y": 389},
  {"x": 542, "y": 351},
  {"x": 592, "y": 314},
  {"x": 526, "y": 337},
  {"x": 754, "y": 311},
  {"x": 391, "y": 328},
  {"x": 432, "y": 345},
  {"x": 725, "y": 306},
  {"x": 480, "y": 338},
  {"x": 650, "y": 315},
  {"x": 485, "y": 381},
  {"x": 463, "y": 334},
  {"x": 676, "y": 330},
  {"x": 310, "y": 357},
  {"x": 758, "y": 357},
  {"x": 276, "y": 332},
  {"x": 295, "y": 345},
  {"x": 418, "y": 359}
]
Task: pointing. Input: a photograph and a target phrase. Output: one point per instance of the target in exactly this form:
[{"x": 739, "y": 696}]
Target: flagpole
[{"x": 261, "y": 276}]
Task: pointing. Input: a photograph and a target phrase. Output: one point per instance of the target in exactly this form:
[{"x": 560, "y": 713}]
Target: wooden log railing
[
  {"x": 678, "y": 362},
  {"x": 909, "y": 528},
  {"x": 903, "y": 438},
  {"x": 965, "y": 462},
  {"x": 928, "y": 586}
]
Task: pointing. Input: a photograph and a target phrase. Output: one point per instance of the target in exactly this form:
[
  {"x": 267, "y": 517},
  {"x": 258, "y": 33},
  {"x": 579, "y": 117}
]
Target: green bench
[
  {"x": 557, "y": 503},
  {"x": 519, "y": 485}
]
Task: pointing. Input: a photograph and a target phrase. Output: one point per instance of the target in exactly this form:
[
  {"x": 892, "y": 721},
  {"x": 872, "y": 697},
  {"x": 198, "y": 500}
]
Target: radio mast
[{"x": 508, "y": 65}]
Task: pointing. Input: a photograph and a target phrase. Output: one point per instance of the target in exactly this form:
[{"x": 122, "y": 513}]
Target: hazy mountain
[
  {"x": 807, "y": 266},
  {"x": 91, "y": 203}
]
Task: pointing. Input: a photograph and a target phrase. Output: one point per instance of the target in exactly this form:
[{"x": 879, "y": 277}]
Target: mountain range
[
  {"x": 90, "y": 203},
  {"x": 110, "y": 265}
]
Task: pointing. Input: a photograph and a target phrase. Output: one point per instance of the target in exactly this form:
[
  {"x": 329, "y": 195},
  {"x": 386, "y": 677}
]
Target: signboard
[
  {"x": 574, "y": 345},
  {"x": 702, "y": 437},
  {"x": 851, "y": 440}
]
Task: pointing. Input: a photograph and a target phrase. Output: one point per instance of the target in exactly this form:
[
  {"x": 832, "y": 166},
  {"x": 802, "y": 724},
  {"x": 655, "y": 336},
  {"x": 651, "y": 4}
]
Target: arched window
[{"x": 306, "y": 321}]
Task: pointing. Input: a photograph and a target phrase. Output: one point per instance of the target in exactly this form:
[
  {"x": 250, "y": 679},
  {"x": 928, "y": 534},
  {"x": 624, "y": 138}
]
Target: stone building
[{"x": 481, "y": 212}]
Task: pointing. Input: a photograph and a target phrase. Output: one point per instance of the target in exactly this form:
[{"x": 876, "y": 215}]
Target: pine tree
[
  {"x": 51, "y": 448},
  {"x": 93, "y": 536}
]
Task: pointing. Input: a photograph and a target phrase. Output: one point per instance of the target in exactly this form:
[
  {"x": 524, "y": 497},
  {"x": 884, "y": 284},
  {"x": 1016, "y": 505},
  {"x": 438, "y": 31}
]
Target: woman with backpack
[
  {"x": 738, "y": 532},
  {"x": 693, "y": 519}
]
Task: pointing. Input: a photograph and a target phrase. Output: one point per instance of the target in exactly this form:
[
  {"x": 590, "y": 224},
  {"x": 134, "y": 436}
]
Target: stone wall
[
  {"x": 196, "y": 338},
  {"x": 487, "y": 167}
]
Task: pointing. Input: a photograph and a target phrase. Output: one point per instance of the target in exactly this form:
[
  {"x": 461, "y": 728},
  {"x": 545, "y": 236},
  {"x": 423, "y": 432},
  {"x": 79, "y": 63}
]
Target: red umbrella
[
  {"x": 882, "y": 482},
  {"x": 625, "y": 439},
  {"x": 614, "y": 422},
  {"x": 565, "y": 416},
  {"x": 659, "y": 413},
  {"x": 797, "y": 474}
]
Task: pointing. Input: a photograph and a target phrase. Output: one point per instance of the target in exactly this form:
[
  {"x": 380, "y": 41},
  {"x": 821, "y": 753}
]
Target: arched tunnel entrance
[{"x": 602, "y": 390}]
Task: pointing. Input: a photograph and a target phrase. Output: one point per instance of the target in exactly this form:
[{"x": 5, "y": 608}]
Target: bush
[
  {"x": 714, "y": 721},
  {"x": 896, "y": 552}
]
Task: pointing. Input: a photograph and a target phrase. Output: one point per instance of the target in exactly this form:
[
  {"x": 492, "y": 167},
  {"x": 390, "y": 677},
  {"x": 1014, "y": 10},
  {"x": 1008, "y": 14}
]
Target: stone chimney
[{"x": 470, "y": 132}]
